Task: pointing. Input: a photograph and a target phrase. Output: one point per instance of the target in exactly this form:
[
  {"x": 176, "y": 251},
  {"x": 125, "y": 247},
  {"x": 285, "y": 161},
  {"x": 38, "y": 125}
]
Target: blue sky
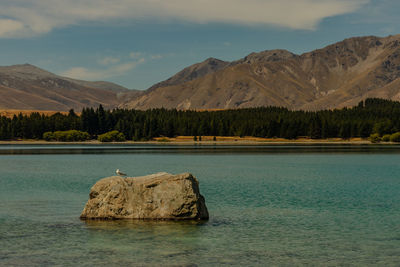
[{"x": 137, "y": 43}]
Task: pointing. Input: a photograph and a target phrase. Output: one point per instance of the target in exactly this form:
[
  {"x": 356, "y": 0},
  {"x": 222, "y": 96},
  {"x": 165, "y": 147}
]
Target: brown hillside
[
  {"x": 338, "y": 75},
  {"x": 26, "y": 87}
]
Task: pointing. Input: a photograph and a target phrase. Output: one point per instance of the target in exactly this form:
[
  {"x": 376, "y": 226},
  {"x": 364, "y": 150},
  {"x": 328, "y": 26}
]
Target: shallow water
[{"x": 276, "y": 205}]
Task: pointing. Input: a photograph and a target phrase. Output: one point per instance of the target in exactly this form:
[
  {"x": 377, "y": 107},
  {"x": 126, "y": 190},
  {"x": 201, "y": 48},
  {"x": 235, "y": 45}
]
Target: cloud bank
[
  {"x": 24, "y": 18},
  {"x": 82, "y": 73}
]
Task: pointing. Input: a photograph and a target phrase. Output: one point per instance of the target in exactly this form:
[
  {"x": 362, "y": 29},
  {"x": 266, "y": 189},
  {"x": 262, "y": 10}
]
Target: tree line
[{"x": 368, "y": 117}]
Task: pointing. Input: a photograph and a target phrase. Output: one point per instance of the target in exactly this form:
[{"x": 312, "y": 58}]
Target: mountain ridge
[
  {"x": 335, "y": 76},
  {"x": 27, "y": 87},
  {"x": 192, "y": 72},
  {"x": 338, "y": 75}
]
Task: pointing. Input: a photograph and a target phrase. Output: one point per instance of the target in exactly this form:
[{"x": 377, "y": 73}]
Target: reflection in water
[
  {"x": 197, "y": 149},
  {"x": 140, "y": 230},
  {"x": 152, "y": 242},
  {"x": 140, "y": 224}
]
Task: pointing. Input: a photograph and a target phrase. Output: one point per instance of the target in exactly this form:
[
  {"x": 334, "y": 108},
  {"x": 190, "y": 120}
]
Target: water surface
[{"x": 277, "y": 205}]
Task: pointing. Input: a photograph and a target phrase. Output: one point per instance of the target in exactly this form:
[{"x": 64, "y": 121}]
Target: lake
[{"x": 269, "y": 205}]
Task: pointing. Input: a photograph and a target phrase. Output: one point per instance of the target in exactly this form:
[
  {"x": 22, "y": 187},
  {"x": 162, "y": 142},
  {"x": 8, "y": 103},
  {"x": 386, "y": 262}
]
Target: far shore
[{"x": 207, "y": 140}]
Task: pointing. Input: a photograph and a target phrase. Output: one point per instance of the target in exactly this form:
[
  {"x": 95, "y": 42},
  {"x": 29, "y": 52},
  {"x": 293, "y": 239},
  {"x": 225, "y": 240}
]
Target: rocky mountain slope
[
  {"x": 336, "y": 76},
  {"x": 26, "y": 87},
  {"x": 193, "y": 72}
]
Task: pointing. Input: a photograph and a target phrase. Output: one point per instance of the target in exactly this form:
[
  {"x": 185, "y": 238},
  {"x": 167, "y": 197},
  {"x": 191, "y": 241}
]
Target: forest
[{"x": 372, "y": 116}]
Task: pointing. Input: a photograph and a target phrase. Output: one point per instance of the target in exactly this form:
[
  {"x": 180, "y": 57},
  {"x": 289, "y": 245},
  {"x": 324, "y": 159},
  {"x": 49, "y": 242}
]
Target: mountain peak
[
  {"x": 267, "y": 56},
  {"x": 25, "y": 71},
  {"x": 198, "y": 70},
  {"x": 338, "y": 75},
  {"x": 212, "y": 61}
]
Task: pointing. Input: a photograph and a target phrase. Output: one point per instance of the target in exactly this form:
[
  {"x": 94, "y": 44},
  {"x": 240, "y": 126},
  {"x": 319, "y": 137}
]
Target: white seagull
[{"x": 120, "y": 173}]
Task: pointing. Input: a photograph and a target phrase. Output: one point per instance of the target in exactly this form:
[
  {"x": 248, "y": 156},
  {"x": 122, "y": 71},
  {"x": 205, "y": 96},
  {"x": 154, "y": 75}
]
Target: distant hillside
[
  {"x": 336, "y": 76},
  {"x": 193, "y": 72},
  {"x": 26, "y": 87},
  {"x": 9, "y": 113}
]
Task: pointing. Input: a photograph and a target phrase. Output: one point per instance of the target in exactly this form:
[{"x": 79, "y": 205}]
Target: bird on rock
[{"x": 120, "y": 173}]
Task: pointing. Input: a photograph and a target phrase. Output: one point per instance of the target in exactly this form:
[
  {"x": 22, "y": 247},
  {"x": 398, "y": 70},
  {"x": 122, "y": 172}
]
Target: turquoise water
[{"x": 275, "y": 205}]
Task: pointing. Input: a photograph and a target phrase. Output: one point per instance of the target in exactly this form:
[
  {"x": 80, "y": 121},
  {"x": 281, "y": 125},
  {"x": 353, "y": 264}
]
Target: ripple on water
[{"x": 271, "y": 205}]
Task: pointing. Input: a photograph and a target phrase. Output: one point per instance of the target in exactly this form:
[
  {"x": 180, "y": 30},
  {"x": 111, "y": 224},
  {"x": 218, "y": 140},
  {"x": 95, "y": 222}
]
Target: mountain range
[
  {"x": 339, "y": 75},
  {"x": 26, "y": 87}
]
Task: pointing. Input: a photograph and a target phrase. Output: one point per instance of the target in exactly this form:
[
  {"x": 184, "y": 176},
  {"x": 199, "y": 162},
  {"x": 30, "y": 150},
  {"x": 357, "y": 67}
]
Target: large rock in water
[{"x": 156, "y": 196}]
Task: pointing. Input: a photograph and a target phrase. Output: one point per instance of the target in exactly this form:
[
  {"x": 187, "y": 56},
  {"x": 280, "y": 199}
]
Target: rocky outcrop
[{"x": 158, "y": 196}]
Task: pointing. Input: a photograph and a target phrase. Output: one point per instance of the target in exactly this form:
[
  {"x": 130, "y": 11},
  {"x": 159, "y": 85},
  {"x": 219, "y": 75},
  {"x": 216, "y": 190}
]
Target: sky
[{"x": 137, "y": 43}]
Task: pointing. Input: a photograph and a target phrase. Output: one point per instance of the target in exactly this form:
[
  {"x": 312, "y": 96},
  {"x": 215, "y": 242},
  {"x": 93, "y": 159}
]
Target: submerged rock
[{"x": 156, "y": 196}]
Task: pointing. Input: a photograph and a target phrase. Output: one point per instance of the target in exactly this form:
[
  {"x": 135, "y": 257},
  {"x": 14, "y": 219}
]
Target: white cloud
[
  {"x": 8, "y": 27},
  {"x": 20, "y": 18},
  {"x": 83, "y": 73},
  {"x": 135, "y": 54},
  {"x": 380, "y": 12},
  {"x": 156, "y": 56},
  {"x": 108, "y": 61}
]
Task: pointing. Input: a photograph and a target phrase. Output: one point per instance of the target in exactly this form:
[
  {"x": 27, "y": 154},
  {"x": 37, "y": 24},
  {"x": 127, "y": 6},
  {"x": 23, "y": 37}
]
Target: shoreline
[{"x": 236, "y": 141}]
